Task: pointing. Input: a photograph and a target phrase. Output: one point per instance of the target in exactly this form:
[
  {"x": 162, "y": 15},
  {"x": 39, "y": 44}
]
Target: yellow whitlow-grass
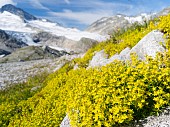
[{"x": 113, "y": 95}]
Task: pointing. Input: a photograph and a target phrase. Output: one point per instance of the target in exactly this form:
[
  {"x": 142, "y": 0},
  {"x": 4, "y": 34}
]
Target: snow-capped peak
[
  {"x": 70, "y": 33},
  {"x": 17, "y": 11},
  {"x": 140, "y": 19},
  {"x": 11, "y": 22}
]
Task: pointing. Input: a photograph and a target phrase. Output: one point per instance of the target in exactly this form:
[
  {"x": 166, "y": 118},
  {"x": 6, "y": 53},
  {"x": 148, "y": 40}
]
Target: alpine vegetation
[{"x": 131, "y": 83}]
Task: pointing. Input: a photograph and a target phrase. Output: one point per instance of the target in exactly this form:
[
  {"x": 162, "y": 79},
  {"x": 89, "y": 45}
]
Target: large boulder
[
  {"x": 101, "y": 58},
  {"x": 65, "y": 122},
  {"x": 149, "y": 45}
]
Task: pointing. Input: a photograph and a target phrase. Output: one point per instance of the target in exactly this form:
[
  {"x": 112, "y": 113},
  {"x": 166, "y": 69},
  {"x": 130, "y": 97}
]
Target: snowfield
[
  {"x": 17, "y": 24},
  {"x": 11, "y": 22}
]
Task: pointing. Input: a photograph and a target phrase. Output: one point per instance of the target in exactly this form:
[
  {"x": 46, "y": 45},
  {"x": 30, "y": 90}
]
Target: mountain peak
[
  {"x": 17, "y": 11},
  {"x": 165, "y": 11}
]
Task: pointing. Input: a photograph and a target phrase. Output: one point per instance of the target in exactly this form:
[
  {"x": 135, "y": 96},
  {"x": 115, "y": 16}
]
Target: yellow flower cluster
[
  {"x": 113, "y": 95},
  {"x": 12, "y": 95},
  {"x": 127, "y": 38},
  {"x": 120, "y": 41}
]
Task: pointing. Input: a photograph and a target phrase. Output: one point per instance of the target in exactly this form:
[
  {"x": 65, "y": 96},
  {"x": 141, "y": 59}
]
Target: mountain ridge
[
  {"x": 17, "y": 11},
  {"x": 109, "y": 25},
  {"x": 18, "y": 24}
]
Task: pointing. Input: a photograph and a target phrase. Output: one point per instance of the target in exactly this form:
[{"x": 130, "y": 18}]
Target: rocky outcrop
[
  {"x": 49, "y": 39},
  {"x": 53, "y": 52},
  {"x": 101, "y": 58},
  {"x": 110, "y": 25},
  {"x": 165, "y": 11},
  {"x": 3, "y": 52},
  {"x": 33, "y": 53},
  {"x": 8, "y": 43},
  {"x": 149, "y": 45},
  {"x": 45, "y": 38}
]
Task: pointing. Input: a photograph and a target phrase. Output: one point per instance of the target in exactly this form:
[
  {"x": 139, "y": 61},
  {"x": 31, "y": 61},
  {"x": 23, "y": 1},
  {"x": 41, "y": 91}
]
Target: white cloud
[
  {"x": 96, "y": 9},
  {"x": 38, "y": 4},
  {"x": 81, "y": 17},
  {"x": 3, "y": 2},
  {"x": 67, "y": 1}
]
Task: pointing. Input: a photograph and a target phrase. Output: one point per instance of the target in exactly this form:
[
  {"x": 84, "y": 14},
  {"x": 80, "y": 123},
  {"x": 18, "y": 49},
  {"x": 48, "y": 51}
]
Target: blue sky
[{"x": 81, "y": 13}]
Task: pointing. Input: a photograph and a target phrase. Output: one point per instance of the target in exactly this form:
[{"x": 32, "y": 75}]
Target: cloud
[
  {"x": 92, "y": 11},
  {"x": 67, "y": 1},
  {"x": 84, "y": 12},
  {"x": 3, "y": 2},
  {"x": 37, "y": 4},
  {"x": 81, "y": 17}
]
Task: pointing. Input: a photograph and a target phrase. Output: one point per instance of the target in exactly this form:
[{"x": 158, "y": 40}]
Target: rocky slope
[
  {"x": 33, "y": 53},
  {"x": 45, "y": 38},
  {"x": 59, "y": 44},
  {"x": 164, "y": 12},
  {"x": 108, "y": 25},
  {"x": 149, "y": 45},
  {"x": 17, "y": 72},
  {"x": 9, "y": 44}
]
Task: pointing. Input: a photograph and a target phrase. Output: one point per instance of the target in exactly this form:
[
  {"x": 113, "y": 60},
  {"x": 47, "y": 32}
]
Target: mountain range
[{"x": 20, "y": 29}]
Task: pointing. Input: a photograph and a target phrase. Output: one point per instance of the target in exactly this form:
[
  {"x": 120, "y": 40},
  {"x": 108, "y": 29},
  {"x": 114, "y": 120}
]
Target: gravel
[{"x": 17, "y": 72}]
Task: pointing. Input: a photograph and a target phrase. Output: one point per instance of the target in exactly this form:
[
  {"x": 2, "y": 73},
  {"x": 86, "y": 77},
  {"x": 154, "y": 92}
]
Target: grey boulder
[
  {"x": 101, "y": 58},
  {"x": 152, "y": 43}
]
